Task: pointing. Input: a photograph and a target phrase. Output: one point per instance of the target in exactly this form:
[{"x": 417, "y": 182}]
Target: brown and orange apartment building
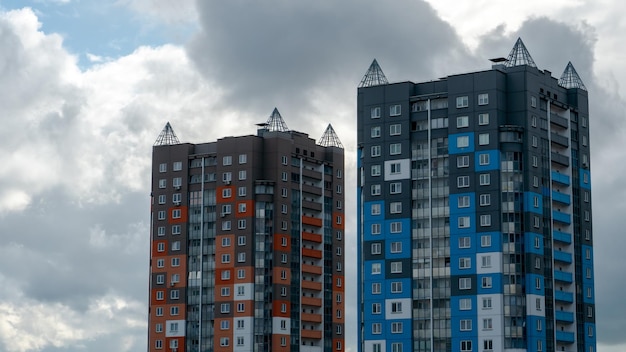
[{"x": 247, "y": 241}]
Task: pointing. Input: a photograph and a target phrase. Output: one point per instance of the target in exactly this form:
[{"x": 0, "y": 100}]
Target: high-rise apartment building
[
  {"x": 474, "y": 201},
  {"x": 247, "y": 242}
]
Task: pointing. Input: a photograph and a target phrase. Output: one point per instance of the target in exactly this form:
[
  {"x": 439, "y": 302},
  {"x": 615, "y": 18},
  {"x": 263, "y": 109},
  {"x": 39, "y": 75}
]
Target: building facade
[
  {"x": 247, "y": 242},
  {"x": 474, "y": 201}
]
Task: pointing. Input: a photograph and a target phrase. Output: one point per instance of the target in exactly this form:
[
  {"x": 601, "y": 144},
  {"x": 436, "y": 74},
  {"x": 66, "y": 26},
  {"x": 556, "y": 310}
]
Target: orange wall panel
[
  {"x": 276, "y": 308},
  {"x": 249, "y": 209},
  {"x": 183, "y": 215}
]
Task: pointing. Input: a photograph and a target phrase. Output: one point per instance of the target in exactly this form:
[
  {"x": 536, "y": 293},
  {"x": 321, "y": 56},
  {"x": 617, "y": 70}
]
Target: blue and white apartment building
[{"x": 474, "y": 206}]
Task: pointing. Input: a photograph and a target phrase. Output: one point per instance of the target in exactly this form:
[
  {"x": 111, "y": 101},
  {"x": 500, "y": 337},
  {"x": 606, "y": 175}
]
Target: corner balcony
[
  {"x": 562, "y": 296},
  {"x": 563, "y": 276},
  {"x": 562, "y": 236},
  {"x": 562, "y": 256},
  {"x": 562, "y": 336},
  {"x": 564, "y": 317}
]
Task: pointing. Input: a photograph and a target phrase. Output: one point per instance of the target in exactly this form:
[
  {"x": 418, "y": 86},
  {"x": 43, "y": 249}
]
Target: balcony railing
[
  {"x": 562, "y": 236},
  {"x": 560, "y": 178},
  {"x": 563, "y": 296}
]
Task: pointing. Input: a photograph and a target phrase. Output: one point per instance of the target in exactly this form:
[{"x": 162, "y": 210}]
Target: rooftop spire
[
  {"x": 330, "y": 139},
  {"x": 276, "y": 122},
  {"x": 167, "y": 136},
  {"x": 519, "y": 56},
  {"x": 374, "y": 76},
  {"x": 570, "y": 78}
]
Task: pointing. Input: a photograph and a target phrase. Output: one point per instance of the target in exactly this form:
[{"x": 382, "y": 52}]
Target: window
[
  {"x": 173, "y": 310},
  {"x": 375, "y": 190},
  {"x": 395, "y": 129},
  {"x": 537, "y": 263},
  {"x": 487, "y": 303},
  {"x": 534, "y": 141},
  {"x": 376, "y": 267},
  {"x": 375, "y": 210},
  {"x": 485, "y": 261},
  {"x": 483, "y": 119},
  {"x": 226, "y": 225},
  {"x": 161, "y": 231},
  {"x": 226, "y": 193},
  {"x": 395, "y": 148},
  {"x": 396, "y": 307},
  {"x": 484, "y": 158},
  {"x": 536, "y": 221},
  {"x": 224, "y": 341},
  {"x": 375, "y": 248},
  {"x": 162, "y": 183},
  {"x": 533, "y": 102},
  {"x": 465, "y": 263},
  {"x": 487, "y": 282},
  {"x": 375, "y": 112},
  {"x": 485, "y": 220},
  {"x": 465, "y": 304},
  {"x": 396, "y": 328},
  {"x": 160, "y": 263},
  {"x": 226, "y": 242},
  {"x": 283, "y": 324},
  {"x": 176, "y": 246},
  {"x": 283, "y": 275},
  {"x": 483, "y": 99},
  {"x": 396, "y": 287},
  {"x": 465, "y": 283},
  {"x": 463, "y": 201},
  {"x": 395, "y": 168},
  {"x": 466, "y": 325},
  {"x": 375, "y": 170},
  {"x": 462, "y": 102},
  {"x": 539, "y": 325},
  {"x": 161, "y": 247},
  {"x": 395, "y": 188},
  {"x": 396, "y": 347},
  {"x": 483, "y": 139},
  {"x": 283, "y": 160},
  {"x": 161, "y": 215},
  {"x": 538, "y": 283},
  {"x": 227, "y": 160},
  {"x": 241, "y": 257},
  {"x": 175, "y": 278},
  {"x": 462, "y": 161},
  {"x": 175, "y": 262},
  {"x": 537, "y": 242},
  {"x": 395, "y": 207},
  {"x": 241, "y": 224},
  {"x": 159, "y": 311},
  {"x": 485, "y": 240},
  {"x": 462, "y": 121},
  {"x": 375, "y": 132},
  {"x": 283, "y": 192},
  {"x": 462, "y": 141},
  {"x": 158, "y": 327},
  {"x": 176, "y": 213},
  {"x": 174, "y": 294},
  {"x": 375, "y": 229},
  {"x": 241, "y": 307},
  {"x": 484, "y": 179},
  {"x": 377, "y": 328},
  {"x": 462, "y": 181},
  {"x": 485, "y": 199},
  {"x": 163, "y": 167},
  {"x": 535, "y": 161},
  {"x": 395, "y": 110},
  {"x": 464, "y": 222},
  {"x": 375, "y": 150},
  {"x": 396, "y": 247},
  {"x": 241, "y": 191},
  {"x": 240, "y": 341},
  {"x": 487, "y": 345},
  {"x": 242, "y": 174},
  {"x": 177, "y": 182},
  {"x": 466, "y": 345},
  {"x": 376, "y": 288},
  {"x": 375, "y": 308},
  {"x": 464, "y": 242},
  {"x": 159, "y": 295},
  {"x": 158, "y": 344},
  {"x": 395, "y": 227},
  {"x": 396, "y": 267},
  {"x": 162, "y": 199}
]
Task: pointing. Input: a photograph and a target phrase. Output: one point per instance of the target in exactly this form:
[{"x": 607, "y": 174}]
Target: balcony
[
  {"x": 561, "y": 197},
  {"x": 312, "y": 285},
  {"x": 560, "y": 178},
  {"x": 313, "y": 237},
  {"x": 558, "y": 120},
  {"x": 311, "y": 301},
  {"x": 563, "y": 276},
  {"x": 562, "y": 256},
  {"x": 308, "y": 220},
  {"x": 560, "y": 159},
  {"x": 311, "y": 269},
  {"x": 564, "y": 317},
  {"x": 561, "y": 217},
  {"x": 560, "y": 140},
  {"x": 562, "y": 236},
  {"x": 562, "y": 336},
  {"x": 562, "y": 296},
  {"x": 315, "y": 318},
  {"x": 311, "y": 334},
  {"x": 313, "y": 253}
]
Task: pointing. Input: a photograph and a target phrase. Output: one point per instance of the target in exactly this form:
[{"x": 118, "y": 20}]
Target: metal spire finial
[
  {"x": 570, "y": 78},
  {"x": 330, "y": 138},
  {"x": 276, "y": 122},
  {"x": 519, "y": 56},
  {"x": 374, "y": 76},
  {"x": 167, "y": 136}
]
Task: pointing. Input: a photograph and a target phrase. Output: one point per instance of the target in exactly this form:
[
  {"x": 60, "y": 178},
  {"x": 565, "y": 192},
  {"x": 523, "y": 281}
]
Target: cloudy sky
[{"x": 86, "y": 87}]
